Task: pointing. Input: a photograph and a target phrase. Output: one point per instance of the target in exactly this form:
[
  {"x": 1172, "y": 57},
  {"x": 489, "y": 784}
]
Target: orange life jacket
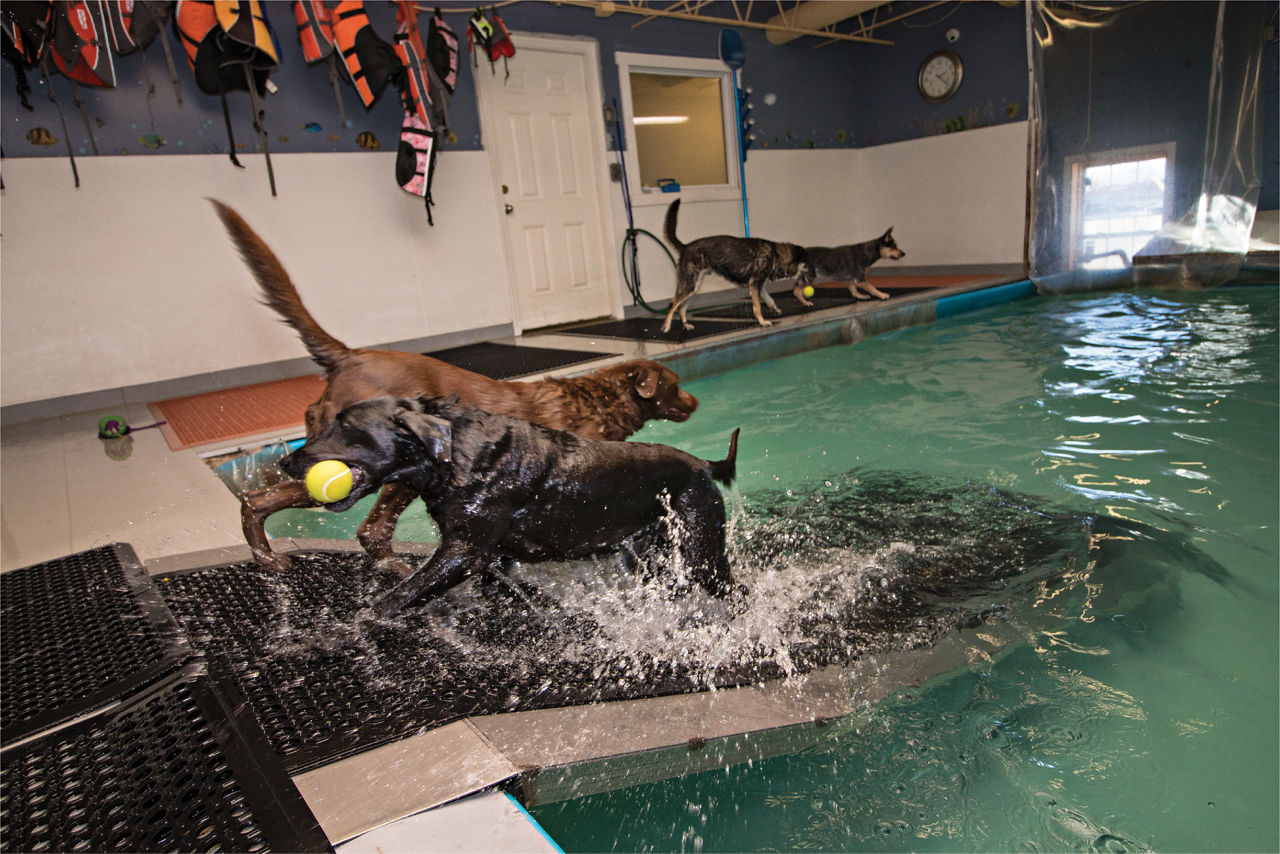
[{"x": 371, "y": 63}]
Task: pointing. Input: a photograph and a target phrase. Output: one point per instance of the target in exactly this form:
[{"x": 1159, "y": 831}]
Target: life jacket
[
  {"x": 26, "y": 32},
  {"x": 371, "y": 63},
  {"x": 315, "y": 29},
  {"x": 416, "y": 91},
  {"x": 492, "y": 37},
  {"x": 81, "y": 46},
  {"x": 442, "y": 50},
  {"x": 215, "y": 55},
  {"x": 416, "y": 159}
]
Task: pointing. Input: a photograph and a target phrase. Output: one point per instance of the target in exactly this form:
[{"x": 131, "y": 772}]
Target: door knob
[{"x": 508, "y": 209}]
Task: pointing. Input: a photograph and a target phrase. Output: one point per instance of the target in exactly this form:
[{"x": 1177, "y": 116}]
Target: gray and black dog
[
  {"x": 749, "y": 262},
  {"x": 851, "y": 262},
  {"x": 503, "y": 489}
]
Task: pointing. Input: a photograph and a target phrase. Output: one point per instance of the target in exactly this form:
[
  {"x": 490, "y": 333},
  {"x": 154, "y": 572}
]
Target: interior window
[
  {"x": 1119, "y": 201},
  {"x": 680, "y": 124}
]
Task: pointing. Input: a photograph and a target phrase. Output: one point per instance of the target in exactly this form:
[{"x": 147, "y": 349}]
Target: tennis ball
[
  {"x": 329, "y": 481},
  {"x": 808, "y": 291}
]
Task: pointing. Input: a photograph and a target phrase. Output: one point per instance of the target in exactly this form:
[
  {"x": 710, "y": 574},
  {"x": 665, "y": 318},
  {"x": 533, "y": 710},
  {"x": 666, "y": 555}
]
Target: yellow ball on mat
[
  {"x": 808, "y": 291},
  {"x": 329, "y": 481}
]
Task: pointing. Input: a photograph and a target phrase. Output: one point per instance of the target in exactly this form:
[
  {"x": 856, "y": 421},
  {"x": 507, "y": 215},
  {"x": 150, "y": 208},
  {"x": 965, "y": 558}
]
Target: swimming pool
[
  {"x": 1137, "y": 709},
  {"x": 1145, "y": 716}
]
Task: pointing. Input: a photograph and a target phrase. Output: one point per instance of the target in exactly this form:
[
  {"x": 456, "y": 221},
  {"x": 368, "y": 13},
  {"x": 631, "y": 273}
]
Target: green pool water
[
  {"x": 1146, "y": 719},
  {"x": 1144, "y": 716}
]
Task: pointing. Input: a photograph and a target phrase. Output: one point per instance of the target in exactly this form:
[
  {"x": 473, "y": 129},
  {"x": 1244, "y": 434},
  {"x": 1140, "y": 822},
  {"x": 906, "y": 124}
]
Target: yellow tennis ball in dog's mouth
[
  {"x": 329, "y": 481},
  {"x": 808, "y": 291}
]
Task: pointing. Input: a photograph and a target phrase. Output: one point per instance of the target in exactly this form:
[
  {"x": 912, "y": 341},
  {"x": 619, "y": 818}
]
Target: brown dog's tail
[
  {"x": 726, "y": 471},
  {"x": 669, "y": 225},
  {"x": 278, "y": 291}
]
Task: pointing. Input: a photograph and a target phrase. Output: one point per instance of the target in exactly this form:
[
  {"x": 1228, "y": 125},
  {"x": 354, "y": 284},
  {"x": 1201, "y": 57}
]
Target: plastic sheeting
[{"x": 1146, "y": 140}]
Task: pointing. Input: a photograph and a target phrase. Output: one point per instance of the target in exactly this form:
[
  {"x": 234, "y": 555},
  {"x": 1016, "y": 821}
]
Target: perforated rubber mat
[
  {"x": 78, "y": 633},
  {"x": 790, "y": 306},
  {"x": 504, "y": 361},
  {"x": 115, "y": 739},
  {"x": 868, "y": 564},
  {"x": 650, "y": 329},
  {"x": 173, "y": 770}
]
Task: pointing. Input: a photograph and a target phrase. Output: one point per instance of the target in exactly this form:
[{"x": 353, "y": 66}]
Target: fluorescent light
[{"x": 661, "y": 120}]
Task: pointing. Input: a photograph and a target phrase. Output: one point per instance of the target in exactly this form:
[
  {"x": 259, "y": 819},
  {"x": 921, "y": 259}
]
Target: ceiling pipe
[{"x": 814, "y": 15}]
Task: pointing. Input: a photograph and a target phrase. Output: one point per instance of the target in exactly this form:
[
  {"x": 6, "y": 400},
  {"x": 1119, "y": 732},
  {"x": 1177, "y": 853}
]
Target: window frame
[
  {"x": 1073, "y": 179},
  {"x": 646, "y": 63}
]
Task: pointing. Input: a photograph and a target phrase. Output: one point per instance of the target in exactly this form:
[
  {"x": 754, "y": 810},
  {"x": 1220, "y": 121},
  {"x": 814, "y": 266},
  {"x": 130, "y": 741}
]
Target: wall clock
[{"x": 940, "y": 76}]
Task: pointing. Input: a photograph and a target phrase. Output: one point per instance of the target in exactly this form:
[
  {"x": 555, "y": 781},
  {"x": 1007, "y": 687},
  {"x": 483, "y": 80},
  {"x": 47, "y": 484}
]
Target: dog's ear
[
  {"x": 645, "y": 378},
  {"x": 888, "y": 233},
  {"x": 435, "y": 433}
]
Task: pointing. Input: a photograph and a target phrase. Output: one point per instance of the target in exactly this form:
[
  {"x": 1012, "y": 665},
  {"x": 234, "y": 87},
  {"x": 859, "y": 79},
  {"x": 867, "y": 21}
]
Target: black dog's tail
[
  {"x": 669, "y": 225},
  {"x": 726, "y": 471}
]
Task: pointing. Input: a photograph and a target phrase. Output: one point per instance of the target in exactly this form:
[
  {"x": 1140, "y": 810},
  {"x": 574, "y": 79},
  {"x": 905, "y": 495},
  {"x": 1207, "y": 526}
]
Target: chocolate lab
[
  {"x": 611, "y": 403},
  {"x": 502, "y": 489},
  {"x": 851, "y": 262},
  {"x": 749, "y": 262}
]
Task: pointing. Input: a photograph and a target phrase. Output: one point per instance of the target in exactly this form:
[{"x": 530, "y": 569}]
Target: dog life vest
[
  {"x": 416, "y": 91},
  {"x": 415, "y": 159},
  {"x": 315, "y": 29},
  {"x": 26, "y": 30},
  {"x": 371, "y": 63},
  {"x": 442, "y": 50},
  {"x": 81, "y": 47}
]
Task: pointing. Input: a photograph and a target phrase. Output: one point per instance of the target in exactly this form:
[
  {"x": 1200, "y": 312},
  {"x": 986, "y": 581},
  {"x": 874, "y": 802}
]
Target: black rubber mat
[
  {"x": 79, "y": 633},
  {"x": 504, "y": 361},
  {"x": 650, "y": 329},
  {"x": 869, "y": 563},
  {"x": 181, "y": 767},
  {"x": 790, "y": 306}
]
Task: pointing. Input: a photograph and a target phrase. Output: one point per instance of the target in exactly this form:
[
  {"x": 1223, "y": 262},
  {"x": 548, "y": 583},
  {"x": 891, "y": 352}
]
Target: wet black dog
[
  {"x": 502, "y": 489},
  {"x": 851, "y": 262},
  {"x": 746, "y": 261}
]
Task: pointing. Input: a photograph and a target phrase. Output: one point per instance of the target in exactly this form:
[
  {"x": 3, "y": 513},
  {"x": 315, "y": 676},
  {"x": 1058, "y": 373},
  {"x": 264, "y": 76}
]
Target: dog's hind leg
[
  {"x": 257, "y": 505},
  {"x": 701, "y": 544},
  {"x": 379, "y": 528},
  {"x": 687, "y": 282}
]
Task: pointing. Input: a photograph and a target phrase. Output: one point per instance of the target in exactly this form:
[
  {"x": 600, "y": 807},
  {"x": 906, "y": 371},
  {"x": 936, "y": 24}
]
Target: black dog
[
  {"x": 851, "y": 262},
  {"x": 503, "y": 489},
  {"x": 746, "y": 261}
]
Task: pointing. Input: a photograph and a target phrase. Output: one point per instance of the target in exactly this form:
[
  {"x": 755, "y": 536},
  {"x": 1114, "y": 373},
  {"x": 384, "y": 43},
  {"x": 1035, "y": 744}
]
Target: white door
[{"x": 543, "y": 129}]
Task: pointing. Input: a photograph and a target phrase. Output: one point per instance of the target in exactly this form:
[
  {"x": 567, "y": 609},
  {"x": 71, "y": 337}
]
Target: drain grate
[
  {"x": 78, "y": 633},
  {"x": 173, "y": 770}
]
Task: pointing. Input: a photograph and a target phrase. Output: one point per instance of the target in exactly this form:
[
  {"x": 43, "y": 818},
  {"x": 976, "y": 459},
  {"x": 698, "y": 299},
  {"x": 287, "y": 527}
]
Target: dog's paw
[
  {"x": 687, "y": 326},
  {"x": 764, "y": 322},
  {"x": 880, "y": 295},
  {"x": 393, "y": 563},
  {"x": 273, "y": 561}
]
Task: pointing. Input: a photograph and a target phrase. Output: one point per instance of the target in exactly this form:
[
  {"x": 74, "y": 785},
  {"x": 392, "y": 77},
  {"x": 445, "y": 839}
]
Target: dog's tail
[
  {"x": 278, "y": 291},
  {"x": 726, "y": 471},
  {"x": 669, "y": 225}
]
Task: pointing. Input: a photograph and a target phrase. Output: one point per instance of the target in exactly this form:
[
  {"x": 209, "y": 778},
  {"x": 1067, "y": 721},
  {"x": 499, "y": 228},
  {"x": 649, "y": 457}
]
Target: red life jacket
[
  {"x": 315, "y": 29},
  {"x": 416, "y": 92},
  {"x": 371, "y": 63},
  {"x": 81, "y": 48}
]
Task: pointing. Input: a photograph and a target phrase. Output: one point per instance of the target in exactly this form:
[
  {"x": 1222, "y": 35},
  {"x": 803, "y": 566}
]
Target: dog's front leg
[
  {"x": 379, "y": 527},
  {"x": 447, "y": 567},
  {"x": 257, "y": 505},
  {"x": 754, "y": 290}
]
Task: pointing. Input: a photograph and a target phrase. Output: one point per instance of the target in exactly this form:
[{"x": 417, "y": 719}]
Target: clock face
[{"x": 940, "y": 76}]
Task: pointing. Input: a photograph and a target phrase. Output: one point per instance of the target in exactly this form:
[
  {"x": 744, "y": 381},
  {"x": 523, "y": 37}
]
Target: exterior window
[
  {"x": 680, "y": 124},
  {"x": 1119, "y": 201}
]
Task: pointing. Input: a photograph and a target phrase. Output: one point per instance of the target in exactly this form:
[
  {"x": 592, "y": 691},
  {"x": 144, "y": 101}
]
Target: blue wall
[{"x": 840, "y": 95}]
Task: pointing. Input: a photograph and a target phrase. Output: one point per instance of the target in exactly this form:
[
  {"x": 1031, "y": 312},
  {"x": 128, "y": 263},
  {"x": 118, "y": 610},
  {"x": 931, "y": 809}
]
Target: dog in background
[
  {"x": 851, "y": 262},
  {"x": 502, "y": 489},
  {"x": 748, "y": 262},
  {"x": 611, "y": 403}
]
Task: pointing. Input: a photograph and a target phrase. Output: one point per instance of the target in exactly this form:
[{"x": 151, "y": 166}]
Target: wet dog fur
[
  {"x": 502, "y": 489},
  {"x": 748, "y": 262},
  {"x": 611, "y": 403}
]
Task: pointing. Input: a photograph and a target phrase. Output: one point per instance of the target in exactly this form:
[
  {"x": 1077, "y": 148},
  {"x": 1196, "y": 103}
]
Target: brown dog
[{"x": 611, "y": 403}]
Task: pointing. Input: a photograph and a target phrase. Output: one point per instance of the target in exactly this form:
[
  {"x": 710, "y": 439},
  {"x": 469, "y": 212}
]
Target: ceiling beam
[{"x": 648, "y": 12}]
